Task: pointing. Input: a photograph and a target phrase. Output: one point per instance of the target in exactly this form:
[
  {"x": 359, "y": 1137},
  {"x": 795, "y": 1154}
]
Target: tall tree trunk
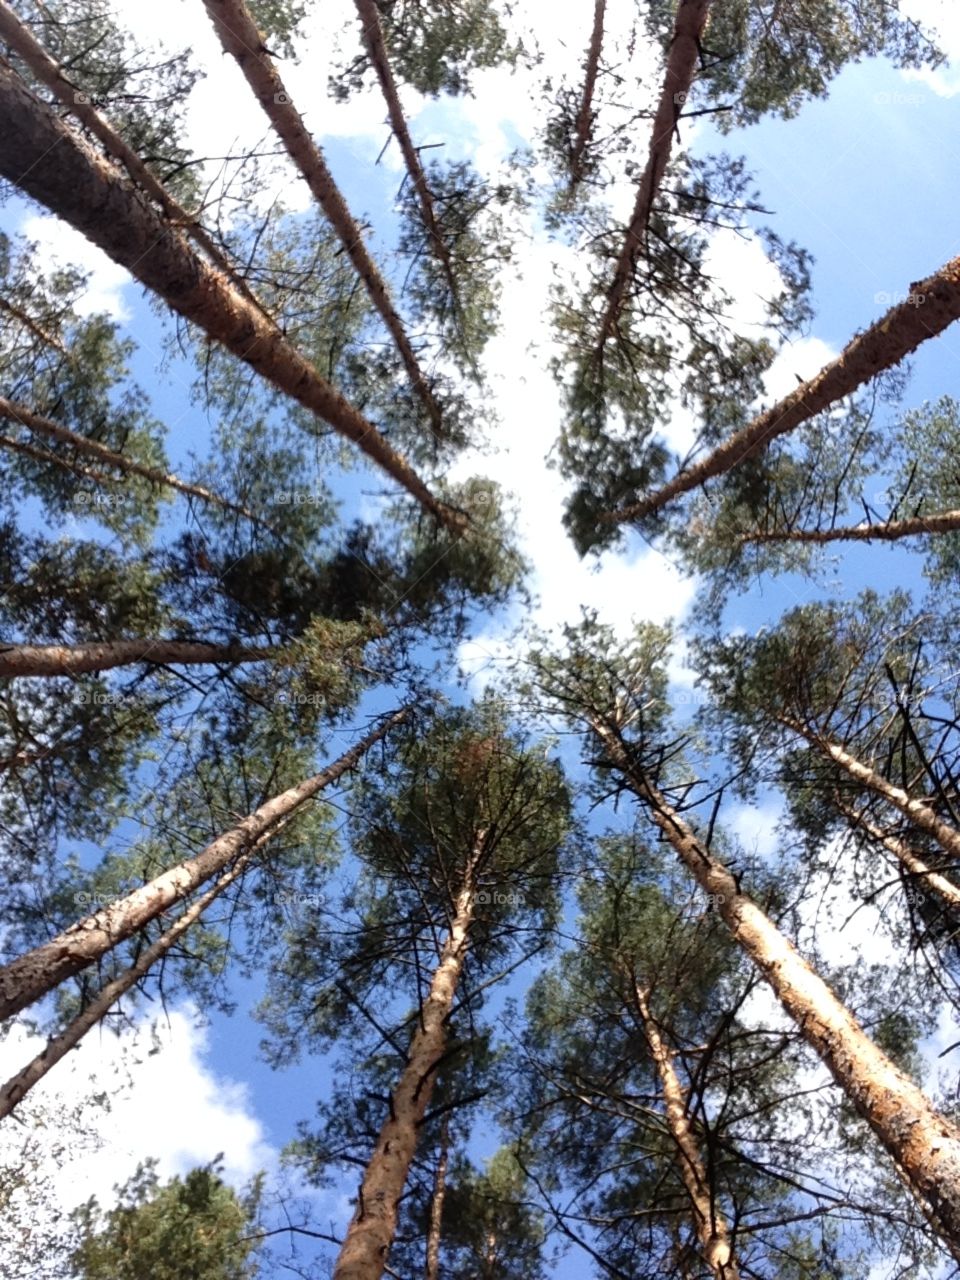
[
  {"x": 918, "y": 811},
  {"x": 924, "y": 1143},
  {"x": 363, "y": 1255},
  {"x": 33, "y": 974},
  {"x": 72, "y": 660},
  {"x": 930, "y": 307},
  {"x": 585, "y": 114},
  {"x": 944, "y": 889},
  {"x": 49, "y": 72},
  {"x": 92, "y": 448},
  {"x": 42, "y": 156},
  {"x": 682, "y": 58},
  {"x": 432, "y": 1269},
  {"x": 17, "y": 1087},
  {"x": 885, "y": 531},
  {"x": 710, "y": 1225},
  {"x": 241, "y": 38}
]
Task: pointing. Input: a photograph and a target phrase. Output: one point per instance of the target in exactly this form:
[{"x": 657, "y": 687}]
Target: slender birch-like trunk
[
  {"x": 682, "y": 58},
  {"x": 931, "y": 306},
  {"x": 73, "y": 660},
  {"x": 924, "y": 1144},
  {"x": 49, "y": 72},
  {"x": 585, "y": 113},
  {"x": 39, "y": 971},
  {"x": 710, "y": 1225},
  {"x": 41, "y": 426},
  {"x": 241, "y": 38},
  {"x": 363, "y": 1255},
  {"x": 41, "y": 155},
  {"x": 432, "y": 1268},
  {"x": 882, "y": 531}
]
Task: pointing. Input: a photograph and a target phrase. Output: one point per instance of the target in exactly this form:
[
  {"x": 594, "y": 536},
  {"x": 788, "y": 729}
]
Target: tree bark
[
  {"x": 31, "y": 325},
  {"x": 363, "y": 1255},
  {"x": 709, "y": 1224},
  {"x": 432, "y": 1268},
  {"x": 92, "y": 448},
  {"x": 585, "y": 112},
  {"x": 42, "y": 156},
  {"x": 17, "y": 1087},
  {"x": 49, "y": 72},
  {"x": 930, "y": 307},
  {"x": 924, "y": 1143},
  {"x": 886, "y": 531},
  {"x": 945, "y": 889},
  {"x": 241, "y": 38},
  {"x": 72, "y": 660},
  {"x": 33, "y": 974},
  {"x": 682, "y": 58},
  {"x": 918, "y": 811}
]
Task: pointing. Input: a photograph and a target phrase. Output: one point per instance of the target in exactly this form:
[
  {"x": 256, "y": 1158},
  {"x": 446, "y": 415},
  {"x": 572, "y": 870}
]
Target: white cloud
[
  {"x": 59, "y": 244},
  {"x": 795, "y": 363},
  {"x": 943, "y": 18}
]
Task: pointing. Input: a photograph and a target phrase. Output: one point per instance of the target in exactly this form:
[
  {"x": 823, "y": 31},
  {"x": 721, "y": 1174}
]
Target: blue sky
[{"x": 868, "y": 181}]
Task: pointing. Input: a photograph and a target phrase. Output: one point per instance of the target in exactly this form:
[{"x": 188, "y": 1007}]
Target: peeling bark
[
  {"x": 33, "y": 974},
  {"x": 363, "y": 1255},
  {"x": 585, "y": 113},
  {"x": 52, "y": 164},
  {"x": 930, "y": 307},
  {"x": 72, "y": 660},
  {"x": 241, "y": 38},
  {"x": 709, "y": 1224},
  {"x": 924, "y": 1144}
]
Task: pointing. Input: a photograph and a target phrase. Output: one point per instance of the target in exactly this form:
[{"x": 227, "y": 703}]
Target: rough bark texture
[
  {"x": 42, "y": 156},
  {"x": 886, "y": 531},
  {"x": 92, "y": 448},
  {"x": 924, "y": 1144},
  {"x": 930, "y": 307},
  {"x": 919, "y": 813},
  {"x": 584, "y": 126},
  {"x": 363, "y": 1255},
  {"x": 681, "y": 64},
  {"x": 33, "y": 974},
  {"x": 49, "y": 72},
  {"x": 432, "y": 1269},
  {"x": 72, "y": 660},
  {"x": 709, "y": 1224},
  {"x": 241, "y": 38},
  {"x": 945, "y": 889}
]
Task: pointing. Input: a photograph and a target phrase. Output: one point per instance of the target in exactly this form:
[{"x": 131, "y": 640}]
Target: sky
[{"x": 868, "y": 181}]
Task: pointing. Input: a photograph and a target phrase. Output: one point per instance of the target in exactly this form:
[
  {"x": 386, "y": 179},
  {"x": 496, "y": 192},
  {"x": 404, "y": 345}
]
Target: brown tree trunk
[
  {"x": 930, "y": 307},
  {"x": 585, "y": 113},
  {"x": 33, "y": 974},
  {"x": 30, "y": 324},
  {"x": 918, "y": 811},
  {"x": 42, "y": 156},
  {"x": 72, "y": 660},
  {"x": 49, "y": 72},
  {"x": 945, "y": 890},
  {"x": 711, "y": 1228},
  {"x": 241, "y": 38},
  {"x": 887, "y": 531},
  {"x": 363, "y": 1255},
  {"x": 924, "y": 1143},
  {"x": 432, "y": 1268},
  {"x": 92, "y": 448},
  {"x": 17, "y": 1087},
  {"x": 682, "y": 58}
]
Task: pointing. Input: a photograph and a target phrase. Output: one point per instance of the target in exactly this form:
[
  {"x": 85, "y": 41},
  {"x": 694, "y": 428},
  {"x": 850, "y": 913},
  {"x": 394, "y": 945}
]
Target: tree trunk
[
  {"x": 31, "y": 325},
  {"x": 585, "y": 113},
  {"x": 363, "y": 1255},
  {"x": 42, "y": 156},
  {"x": 682, "y": 58},
  {"x": 918, "y": 811},
  {"x": 17, "y": 1087},
  {"x": 72, "y": 660},
  {"x": 241, "y": 38},
  {"x": 49, "y": 72},
  {"x": 930, "y": 307},
  {"x": 887, "y": 531},
  {"x": 924, "y": 1144},
  {"x": 945, "y": 890},
  {"x": 711, "y": 1228},
  {"x": 92, "y": 448},
  {"x": 33, "y": 974},
  {"x": 432, "y": 1268}
]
